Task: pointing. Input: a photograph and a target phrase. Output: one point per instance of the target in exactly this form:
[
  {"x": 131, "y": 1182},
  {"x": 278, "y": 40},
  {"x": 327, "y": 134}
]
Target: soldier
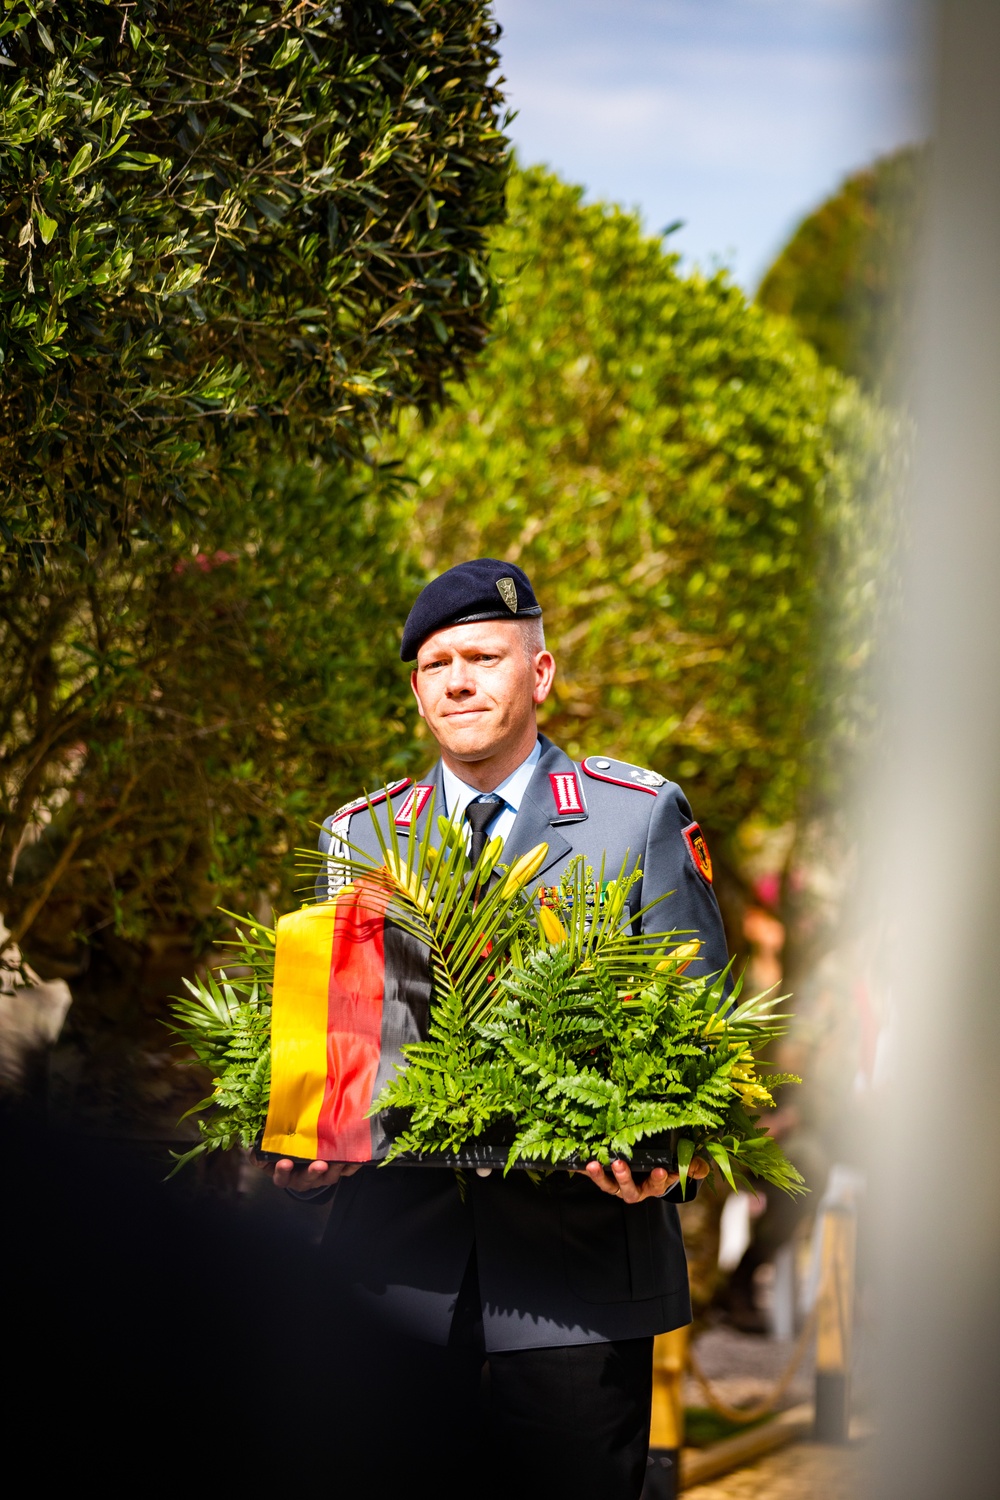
[{"x": 559, "y": 1287}]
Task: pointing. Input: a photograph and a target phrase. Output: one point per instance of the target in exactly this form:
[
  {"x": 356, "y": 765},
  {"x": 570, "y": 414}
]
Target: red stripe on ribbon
[{"x": 354, "y": 1025}]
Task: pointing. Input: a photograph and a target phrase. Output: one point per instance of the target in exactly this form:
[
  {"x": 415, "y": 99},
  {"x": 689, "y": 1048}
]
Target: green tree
[
  {"x": 680, "y": 474},
  {"x": 845, "y": 276},
  {"x": 173, "y": 722},
  {"x": 224, "y": 221}
]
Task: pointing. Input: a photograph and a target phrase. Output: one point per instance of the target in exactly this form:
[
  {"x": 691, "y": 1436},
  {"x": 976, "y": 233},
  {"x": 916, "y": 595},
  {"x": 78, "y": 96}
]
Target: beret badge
[{"x": 508, "y": 593}]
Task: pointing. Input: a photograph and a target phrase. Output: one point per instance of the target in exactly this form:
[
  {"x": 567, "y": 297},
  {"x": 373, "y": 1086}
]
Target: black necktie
[{"x": 480, "y": 812}]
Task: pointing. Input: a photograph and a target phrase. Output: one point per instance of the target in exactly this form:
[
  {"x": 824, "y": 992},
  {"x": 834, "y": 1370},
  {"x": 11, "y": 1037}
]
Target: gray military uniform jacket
[{"x": 558, "y": 1263}]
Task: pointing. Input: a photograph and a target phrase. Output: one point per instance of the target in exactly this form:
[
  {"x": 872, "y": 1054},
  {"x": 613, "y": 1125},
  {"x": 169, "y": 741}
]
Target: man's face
[{"x": 477, "y": 687}]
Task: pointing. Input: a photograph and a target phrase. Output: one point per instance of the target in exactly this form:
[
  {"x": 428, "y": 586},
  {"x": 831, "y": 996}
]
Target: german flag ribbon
[{"x": 350, "y": 988}]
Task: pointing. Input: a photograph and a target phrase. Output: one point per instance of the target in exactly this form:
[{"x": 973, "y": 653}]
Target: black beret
[{"x": 481, "y": 590}]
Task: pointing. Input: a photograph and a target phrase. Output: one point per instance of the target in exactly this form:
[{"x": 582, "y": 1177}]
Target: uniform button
[{"x": 603, "y": 765}]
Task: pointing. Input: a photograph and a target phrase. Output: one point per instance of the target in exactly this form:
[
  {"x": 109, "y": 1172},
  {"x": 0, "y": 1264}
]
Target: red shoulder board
[
  {"x": 416, "y": 800},
  {"x": 698, "y": 850},
  {"x": 566, "y": 794},
  {"x": 620, "y": 773}
]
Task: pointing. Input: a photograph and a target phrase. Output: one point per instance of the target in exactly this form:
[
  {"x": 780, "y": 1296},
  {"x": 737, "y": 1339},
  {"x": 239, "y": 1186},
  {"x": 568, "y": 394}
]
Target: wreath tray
[{"x": 480, "y": 1154}]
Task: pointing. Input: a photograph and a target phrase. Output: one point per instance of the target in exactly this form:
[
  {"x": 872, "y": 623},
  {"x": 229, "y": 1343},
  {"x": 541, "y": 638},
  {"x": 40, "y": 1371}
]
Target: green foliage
[
  {"x": 573, "y": 1037},
  {"x": 660, "y": 455},
  {"x": 588, "y": 1048},
  {"x": 859, "y": 544},
  {"x": 447, "y": 906},
  {"x": 227, "y": 1024},
  {"x": 703, "y": 1426},
  {"x": 845, "y": 276},
  {"x": 221, "y": 220},
  {"x": 431, "y": 894},
  {"x": 170, "y": 722},
  {"x": 577, "y": 1038}
]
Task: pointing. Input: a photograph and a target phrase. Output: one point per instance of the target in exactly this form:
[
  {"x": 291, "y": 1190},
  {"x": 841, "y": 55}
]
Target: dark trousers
[
  {"x": 524, "y": 1424},
  {"x": 571, "y": 1421}
]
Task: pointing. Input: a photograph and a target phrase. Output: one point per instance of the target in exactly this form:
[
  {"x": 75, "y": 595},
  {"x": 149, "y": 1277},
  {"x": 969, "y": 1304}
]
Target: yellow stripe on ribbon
[{"x": 299, "y": 1005}]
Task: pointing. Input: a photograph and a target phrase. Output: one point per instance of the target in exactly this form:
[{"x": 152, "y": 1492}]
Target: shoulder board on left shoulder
[
  {"x": 621, "y": 773},
  {"x": 343, "y": 814},
  {"x": 339, "y": 825}
]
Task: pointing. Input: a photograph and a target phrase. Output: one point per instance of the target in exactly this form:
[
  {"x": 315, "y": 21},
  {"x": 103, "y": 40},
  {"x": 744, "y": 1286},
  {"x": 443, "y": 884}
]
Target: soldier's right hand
[{"x": 301, "y": 1179}]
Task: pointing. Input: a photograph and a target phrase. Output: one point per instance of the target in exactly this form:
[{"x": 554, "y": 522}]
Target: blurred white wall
[{"x": 935, "y": 818}]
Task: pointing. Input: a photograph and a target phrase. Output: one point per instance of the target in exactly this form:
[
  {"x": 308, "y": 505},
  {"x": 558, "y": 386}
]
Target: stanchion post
[
  {"x": 666, "y": 1430},
  {"x": 835, "y": 1319}
]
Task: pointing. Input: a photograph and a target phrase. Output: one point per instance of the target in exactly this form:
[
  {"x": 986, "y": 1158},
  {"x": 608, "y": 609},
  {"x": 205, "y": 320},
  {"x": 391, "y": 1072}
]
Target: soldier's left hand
[{"x": 623, "y": 1185}]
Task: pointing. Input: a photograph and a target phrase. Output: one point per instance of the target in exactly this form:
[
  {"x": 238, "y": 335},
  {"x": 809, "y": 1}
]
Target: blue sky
[{"x": 737, "y": 116}]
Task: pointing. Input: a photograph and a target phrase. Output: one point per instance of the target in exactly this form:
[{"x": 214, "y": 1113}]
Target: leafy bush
[
  {"x": 846, "y": 274},
  {"x": 683, "y": 480},
  {"x": 171, "y": 721},
  {"x": 222, "y": 219}
]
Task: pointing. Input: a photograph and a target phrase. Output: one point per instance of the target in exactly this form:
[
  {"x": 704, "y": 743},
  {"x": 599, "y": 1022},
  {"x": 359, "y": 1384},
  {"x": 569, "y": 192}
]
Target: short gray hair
[{"x": 532, "y": 636}]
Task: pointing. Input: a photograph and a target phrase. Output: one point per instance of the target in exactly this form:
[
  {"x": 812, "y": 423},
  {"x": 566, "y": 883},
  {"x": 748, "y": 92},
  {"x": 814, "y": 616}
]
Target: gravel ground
[
  {"x": 744, "y": 1367},
  {"x": 805, "y": 1471}
]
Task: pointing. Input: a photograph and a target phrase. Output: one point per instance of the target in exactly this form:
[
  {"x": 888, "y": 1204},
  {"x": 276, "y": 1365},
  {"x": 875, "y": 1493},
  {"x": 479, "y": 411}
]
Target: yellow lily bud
[
  {"x": 488, "y": 859},
  {"x": 550, "y": 926},
  {"x": 524, "y": 869},
  {"x": 752, "y": 1095},
  {"x": 449, "y": 831},
  {"x": 614, "y": 899},
  {"x": 681, "y": 957}
]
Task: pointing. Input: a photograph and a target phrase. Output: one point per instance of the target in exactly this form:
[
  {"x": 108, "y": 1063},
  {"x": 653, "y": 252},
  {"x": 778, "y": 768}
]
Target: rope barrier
[{"x": 761, "y": 1408}]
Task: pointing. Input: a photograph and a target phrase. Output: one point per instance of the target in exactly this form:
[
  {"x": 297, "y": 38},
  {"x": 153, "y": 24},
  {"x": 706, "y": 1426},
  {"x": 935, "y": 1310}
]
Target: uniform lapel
[{"x": 534, "y": 822}]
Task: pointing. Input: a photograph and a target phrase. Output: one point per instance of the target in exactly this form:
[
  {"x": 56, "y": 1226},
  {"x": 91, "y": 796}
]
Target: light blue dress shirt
[{"x": 458, "y": 794}]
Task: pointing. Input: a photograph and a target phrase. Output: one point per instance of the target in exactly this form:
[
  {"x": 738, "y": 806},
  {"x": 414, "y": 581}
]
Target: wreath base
[{"x": 658, "y": 1151}]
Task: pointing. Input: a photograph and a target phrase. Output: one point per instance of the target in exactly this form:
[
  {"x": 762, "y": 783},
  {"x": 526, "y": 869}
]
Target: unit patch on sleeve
[{"x": 698, "y": 850}]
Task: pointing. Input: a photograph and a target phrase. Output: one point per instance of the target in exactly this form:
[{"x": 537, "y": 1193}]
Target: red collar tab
[
  {"x": 620, "y": 773},
  {"x": 566, "y": 795},
  {"x": 416, "y": 800}
]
